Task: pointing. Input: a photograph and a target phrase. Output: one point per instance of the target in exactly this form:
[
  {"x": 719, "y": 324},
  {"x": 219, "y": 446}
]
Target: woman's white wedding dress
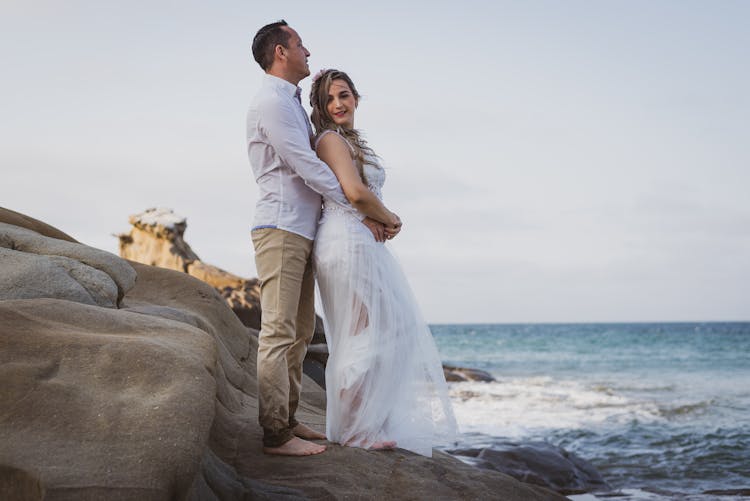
[{"x": 384, "y": 377}]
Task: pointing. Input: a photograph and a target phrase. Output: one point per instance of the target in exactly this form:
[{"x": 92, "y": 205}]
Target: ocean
[{"x": 662, "y": 410}]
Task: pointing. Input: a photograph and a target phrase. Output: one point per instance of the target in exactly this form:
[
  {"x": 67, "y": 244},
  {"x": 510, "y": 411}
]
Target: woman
[{"x": 384, "y": 380}]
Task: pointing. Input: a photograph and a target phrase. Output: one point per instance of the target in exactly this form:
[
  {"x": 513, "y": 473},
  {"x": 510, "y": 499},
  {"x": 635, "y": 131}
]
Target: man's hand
[
  {"x": 391, "y": 230},
  {"x": 376, "y": 227}
]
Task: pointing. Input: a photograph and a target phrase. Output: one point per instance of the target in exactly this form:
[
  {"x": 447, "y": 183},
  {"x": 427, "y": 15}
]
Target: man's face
[{"x": 296, "y": 55}]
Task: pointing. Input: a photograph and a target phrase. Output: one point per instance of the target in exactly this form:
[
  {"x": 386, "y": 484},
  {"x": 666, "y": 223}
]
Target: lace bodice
[{"x": 374, "y": 174}]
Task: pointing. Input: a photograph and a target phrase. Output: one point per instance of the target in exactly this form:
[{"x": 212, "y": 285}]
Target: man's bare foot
[
  {"x": 295, "y": 447},
  {"x": 308, "y": 433},
  {"x": 387, "y": 445}
]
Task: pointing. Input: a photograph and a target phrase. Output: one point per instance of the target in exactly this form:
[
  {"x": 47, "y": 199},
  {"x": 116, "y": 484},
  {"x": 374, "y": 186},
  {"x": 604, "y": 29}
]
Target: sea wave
[
  {"x": 519, "y": 407},
  {"x": 676, "y": 411},
  {"x": 609, "y": 387},
  {"x": 659, "y": 409}
]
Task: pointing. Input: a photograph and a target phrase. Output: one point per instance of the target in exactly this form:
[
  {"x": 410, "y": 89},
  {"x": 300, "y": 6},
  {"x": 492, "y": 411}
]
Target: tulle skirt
[{"x": 384, "y": 378}]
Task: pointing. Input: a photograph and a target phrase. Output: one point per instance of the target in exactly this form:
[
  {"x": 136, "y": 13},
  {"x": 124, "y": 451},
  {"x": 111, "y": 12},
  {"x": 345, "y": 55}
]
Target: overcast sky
[{"x": 552, "y": 161}]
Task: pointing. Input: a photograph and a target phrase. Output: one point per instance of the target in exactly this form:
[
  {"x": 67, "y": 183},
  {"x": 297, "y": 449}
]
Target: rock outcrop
[
  {"x": 147, "y": 390},
  {"x": 157, "y": 238}
]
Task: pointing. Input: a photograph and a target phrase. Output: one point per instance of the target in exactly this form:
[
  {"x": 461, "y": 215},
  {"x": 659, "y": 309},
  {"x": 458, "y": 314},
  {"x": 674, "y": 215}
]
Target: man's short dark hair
[{"x": 266, "y": 40}]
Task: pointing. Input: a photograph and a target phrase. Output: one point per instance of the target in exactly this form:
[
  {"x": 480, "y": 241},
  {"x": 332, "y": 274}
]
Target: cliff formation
[{"x": 157, "y": 238}]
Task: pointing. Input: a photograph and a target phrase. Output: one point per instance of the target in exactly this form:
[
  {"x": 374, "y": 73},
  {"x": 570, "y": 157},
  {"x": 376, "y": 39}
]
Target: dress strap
[{"x": 320, "y": 136}]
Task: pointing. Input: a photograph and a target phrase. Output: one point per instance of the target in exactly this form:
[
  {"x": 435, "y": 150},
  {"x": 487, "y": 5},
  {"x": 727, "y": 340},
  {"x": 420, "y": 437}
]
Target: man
[{"x": 291, "y": 180}]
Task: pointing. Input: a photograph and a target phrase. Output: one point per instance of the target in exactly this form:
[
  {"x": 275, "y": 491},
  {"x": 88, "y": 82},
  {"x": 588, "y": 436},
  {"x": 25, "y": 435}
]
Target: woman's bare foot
[
  {"x": 295, "y": 447},
  {"x": 387, "y": 445},
  {"x": 308, "y": 433}
]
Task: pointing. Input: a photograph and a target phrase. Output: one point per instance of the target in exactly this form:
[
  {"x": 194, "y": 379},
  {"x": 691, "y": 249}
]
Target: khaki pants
[{"x": 287, "y": 300}]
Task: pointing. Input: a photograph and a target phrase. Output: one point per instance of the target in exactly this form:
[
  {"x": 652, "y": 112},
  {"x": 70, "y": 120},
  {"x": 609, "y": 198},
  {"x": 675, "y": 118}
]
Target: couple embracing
[{"x": 320, "y": 215}]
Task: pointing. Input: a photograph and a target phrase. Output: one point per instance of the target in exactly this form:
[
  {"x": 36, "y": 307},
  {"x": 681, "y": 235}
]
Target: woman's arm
[{"x": 334, "y": 151}]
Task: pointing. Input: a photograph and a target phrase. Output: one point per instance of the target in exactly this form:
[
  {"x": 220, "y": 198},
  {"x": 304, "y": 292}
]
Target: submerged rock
[
  {"x": 455, "y": 374},
  {"x": 539, "y": 463}
]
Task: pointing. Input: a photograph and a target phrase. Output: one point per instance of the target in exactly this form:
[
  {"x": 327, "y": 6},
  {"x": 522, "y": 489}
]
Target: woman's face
[{"x": 341, "y": 103}]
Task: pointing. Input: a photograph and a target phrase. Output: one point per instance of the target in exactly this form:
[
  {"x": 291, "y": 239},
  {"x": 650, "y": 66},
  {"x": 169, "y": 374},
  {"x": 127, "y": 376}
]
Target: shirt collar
[{"x": 280, "y": 83}]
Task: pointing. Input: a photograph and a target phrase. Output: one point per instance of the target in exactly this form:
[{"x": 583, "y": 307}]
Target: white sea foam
[
  {"x": 641, "y": 495},
  {"x": 518, "y": 407}
]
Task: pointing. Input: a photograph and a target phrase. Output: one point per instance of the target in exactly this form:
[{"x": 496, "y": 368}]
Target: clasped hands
[{"x": 383, "y": 232}]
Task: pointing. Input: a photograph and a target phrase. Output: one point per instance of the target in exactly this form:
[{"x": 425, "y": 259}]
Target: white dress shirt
[{"x": 290, "y": 176}]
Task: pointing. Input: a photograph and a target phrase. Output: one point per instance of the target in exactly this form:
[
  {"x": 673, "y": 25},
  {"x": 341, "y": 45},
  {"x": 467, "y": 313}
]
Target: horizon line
[{"x": 608, "y": 322}]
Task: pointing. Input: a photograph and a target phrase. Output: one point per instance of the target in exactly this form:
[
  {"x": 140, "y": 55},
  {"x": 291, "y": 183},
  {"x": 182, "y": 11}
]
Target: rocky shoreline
[
  {"x": 123, "y": 380},
  {"x": 157, "y": 238}
]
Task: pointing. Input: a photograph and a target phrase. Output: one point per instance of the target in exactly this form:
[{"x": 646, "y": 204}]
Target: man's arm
[
  {"x": 376, "y": 228},
  {"x": 280, "y": 125}
]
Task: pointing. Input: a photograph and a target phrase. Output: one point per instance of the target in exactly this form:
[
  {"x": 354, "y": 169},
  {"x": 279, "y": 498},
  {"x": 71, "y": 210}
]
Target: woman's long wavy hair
[{"x": 322, "y": 120}]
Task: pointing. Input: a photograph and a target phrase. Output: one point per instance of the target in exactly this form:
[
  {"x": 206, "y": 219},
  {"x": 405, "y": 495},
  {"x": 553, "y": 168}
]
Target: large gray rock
[
  {"x": 103, "y": 403},
  {"x": 31, "y": 276},
  {"x": 82, "y": 264}
]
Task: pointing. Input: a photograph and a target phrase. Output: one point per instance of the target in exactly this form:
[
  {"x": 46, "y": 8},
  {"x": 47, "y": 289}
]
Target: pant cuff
[{"x": 277, "y": 439}]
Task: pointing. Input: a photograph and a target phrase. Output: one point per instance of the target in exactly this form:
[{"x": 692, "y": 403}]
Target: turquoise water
[{"x": 660, "y": 407}]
